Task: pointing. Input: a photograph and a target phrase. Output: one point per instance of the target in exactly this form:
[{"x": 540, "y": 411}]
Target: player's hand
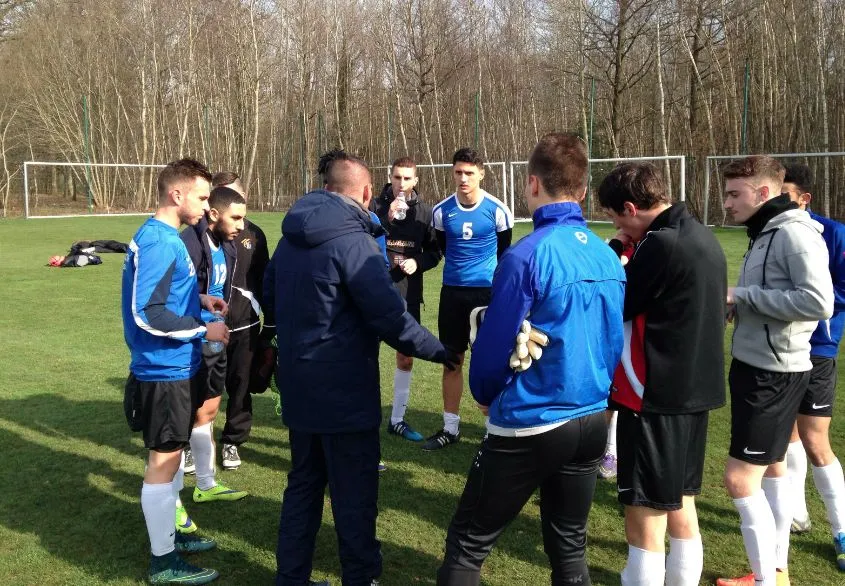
[
  {"x": 730, "y": 298},
  {"x": 448, "y": 359},
  {"x": 408, "y": 266},
  {"x": 529, "y": 347},
  {"x": 214, "y": 304},
  {"x": 217, "y": 331},
  {"x": 484, "y": 409},
  {"x": 391, "y": 211},
  {"x": 730, "y": 314}
]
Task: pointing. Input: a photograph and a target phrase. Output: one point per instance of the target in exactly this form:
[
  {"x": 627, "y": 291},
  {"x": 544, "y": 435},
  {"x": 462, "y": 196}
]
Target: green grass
[{"x": 71, "y": 469}]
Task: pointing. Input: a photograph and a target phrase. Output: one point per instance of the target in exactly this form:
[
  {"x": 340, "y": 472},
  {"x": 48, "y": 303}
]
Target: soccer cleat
[
  {"x": 839, "y": 544},
  {"x": 382, "y": 466},
  {"x": 607, "y": 468},
  {"x": 218, "y": 492},
  {"x": 231, "y": 458},
  {"x": 193, "y": 543},
  {"x": 440, "y": 440},
  {"x": 172, "y": 569},
  {"x": 781, "y": 579},
  {"x": 404, "y": 430},
  {"x": 184, "y": 524},
  {"x": 190, "y": 466},
  {"x": 797, "y": 527}
]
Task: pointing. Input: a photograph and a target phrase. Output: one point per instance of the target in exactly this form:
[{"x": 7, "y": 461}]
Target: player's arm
[
  {"x": 810, "y": 299},
  {"x": 504, "y": 230},
  {"x": 268, "y": 306},
  {"x": 646, "y": 273},
  {"x": 430, "y": 254},
  {"x": 154, "y": 267},
  {"x": 837, "y": 267},
  {"x": 192, "y": 242},
  {"x": 511, "y": 299},
  {"x": 380, "y": 304}
]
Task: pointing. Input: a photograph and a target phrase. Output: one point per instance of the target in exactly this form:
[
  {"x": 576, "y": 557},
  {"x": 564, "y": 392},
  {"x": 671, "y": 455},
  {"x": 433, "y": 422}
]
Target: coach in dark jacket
[{"x": 333, "y": 300}]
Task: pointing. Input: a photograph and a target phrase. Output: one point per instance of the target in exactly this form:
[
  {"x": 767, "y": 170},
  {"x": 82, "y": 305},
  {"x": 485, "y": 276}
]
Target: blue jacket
[
  {"x": 826, "y": 338},
  {"x": 568, "y": 283},
  {"x": 333, "y": 299},
  {"x": 161, "y": 305}
]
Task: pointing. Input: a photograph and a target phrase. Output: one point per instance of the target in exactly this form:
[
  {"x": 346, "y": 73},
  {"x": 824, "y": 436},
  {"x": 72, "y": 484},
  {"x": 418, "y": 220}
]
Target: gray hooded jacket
[{"x": 784, "y": 289}]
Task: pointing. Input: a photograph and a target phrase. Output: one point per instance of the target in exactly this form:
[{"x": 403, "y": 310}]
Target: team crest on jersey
[
  {"x": 582, "y": 238},
  {"x": 247, "y": 242}
]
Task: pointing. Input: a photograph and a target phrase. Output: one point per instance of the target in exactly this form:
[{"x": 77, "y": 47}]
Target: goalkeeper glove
[{"x": 529, "y": 341}]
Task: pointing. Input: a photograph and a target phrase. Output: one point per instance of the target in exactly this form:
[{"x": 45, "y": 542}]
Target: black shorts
[
  {"x": 165, "y": 410},
  {"x": 821, "y": 390},
  {"x": 215, "y": 366},
  {"x": 456, "y": 303},
  {"x": 764, "y": 405},
  {"x": 660, "y": 458}
]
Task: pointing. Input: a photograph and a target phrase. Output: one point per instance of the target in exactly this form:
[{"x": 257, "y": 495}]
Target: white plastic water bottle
[
  {"x": 216, "y": 346},
  {"x": 401, "y": 208}
]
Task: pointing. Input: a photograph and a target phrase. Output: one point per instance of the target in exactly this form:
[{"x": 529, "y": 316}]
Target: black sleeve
[
  {"x": 616, "y": 246},
  {"x": 503, "y": 241},
  {"x": 646, "y": 273},
  {"x": 430, "y": 255},
  {"x": 440, "y": 236},
  {"x": 268, "y": 307},
  {"x": 260, "y": 258}
]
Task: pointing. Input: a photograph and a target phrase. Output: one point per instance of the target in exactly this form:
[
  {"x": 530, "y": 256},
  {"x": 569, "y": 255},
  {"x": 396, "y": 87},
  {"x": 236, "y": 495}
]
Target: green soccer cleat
[
  {"x": 172, "y": 569},
  {"x": 193, "y": 543},
  {"x": 218, "y": 493},
  {"x": 184, "y": 524}
]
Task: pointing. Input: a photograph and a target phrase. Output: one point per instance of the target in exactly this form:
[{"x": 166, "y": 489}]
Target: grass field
[{"x": 72, "y": 470}]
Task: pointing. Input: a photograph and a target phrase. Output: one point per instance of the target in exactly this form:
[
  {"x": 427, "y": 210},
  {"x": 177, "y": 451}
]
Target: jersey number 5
[{"x": 467, "y": 230}]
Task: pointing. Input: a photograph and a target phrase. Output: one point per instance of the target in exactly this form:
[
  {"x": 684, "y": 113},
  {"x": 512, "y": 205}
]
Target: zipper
[{"x": 769, "y": 342}]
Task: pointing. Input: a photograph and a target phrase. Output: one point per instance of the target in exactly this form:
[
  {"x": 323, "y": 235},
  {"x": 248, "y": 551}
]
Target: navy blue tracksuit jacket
[{"x": 333, "y": 300}]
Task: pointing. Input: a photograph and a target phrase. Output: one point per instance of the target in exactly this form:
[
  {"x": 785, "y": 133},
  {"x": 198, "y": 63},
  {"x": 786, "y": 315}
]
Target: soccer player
[
  {"x": 334, "y": 301},
  {"x": 411, "y": 249},
  {"x": 546, "y": 426},
  {"x": 784, "y": 289},
  {"x": 814, "y": 414},
  {"x": 209, "y": 243},
  {"x": 473, "y": 229},
  {"x": 164, "y": 331},
  {"x": 674, "y": 312},
  {"x": 246, "y": 331}
]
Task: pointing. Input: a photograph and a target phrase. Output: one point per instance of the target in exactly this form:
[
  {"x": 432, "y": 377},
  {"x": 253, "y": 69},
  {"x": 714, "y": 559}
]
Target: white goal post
[
  {"x": 678, "y": 160},
  {"x": 108, "y": 189},
  {"x": 717, "y": 158}
]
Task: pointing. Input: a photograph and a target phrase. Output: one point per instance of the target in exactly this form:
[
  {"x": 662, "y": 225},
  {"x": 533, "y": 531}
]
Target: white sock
[
  {"x": 611, "y": 435},
  {"x": 778, "y": 491},
  {"x": 401, "y": 393},
  {"x": 758, "y": 534},
  {"x": 796, "y": 464},
  {"x": 450, "y": 422},
  {"x": 179, "y": 479},
  {"x": 644, "y": 568},
  {"x": 685, "y": 561},
  {"x": 202, "y": 445},
  {"x": 159, "y": 506},
  {"x": 831, "y": 486}
]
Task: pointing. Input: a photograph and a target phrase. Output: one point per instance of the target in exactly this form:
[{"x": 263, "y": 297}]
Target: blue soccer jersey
[
  {"x": 471, "y": 238},
  {"x": 160, "y": 305},
  {"x": 217, "y": 274}
]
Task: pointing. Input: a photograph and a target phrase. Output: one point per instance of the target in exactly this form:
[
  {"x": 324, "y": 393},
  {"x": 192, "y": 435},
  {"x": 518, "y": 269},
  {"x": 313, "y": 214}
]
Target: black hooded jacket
[{"x": 413, "y": 238}]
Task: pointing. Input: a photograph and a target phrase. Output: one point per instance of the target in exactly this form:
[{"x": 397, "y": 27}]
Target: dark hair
[
  {"x": 754, "y": 166},
  {"x": 224, "y": 178},
  {"x": 468, "y": 155},
  {"x": 639, "y": 183},
  {"x": 403, "y": 162},
  {"x": 327, "y": 162},
  {"x": 181, "y": 170},
  {"x": 222, "y": 197},
  {"x": 560, "y": 162},
  {"x": 799, "y": 174}
]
